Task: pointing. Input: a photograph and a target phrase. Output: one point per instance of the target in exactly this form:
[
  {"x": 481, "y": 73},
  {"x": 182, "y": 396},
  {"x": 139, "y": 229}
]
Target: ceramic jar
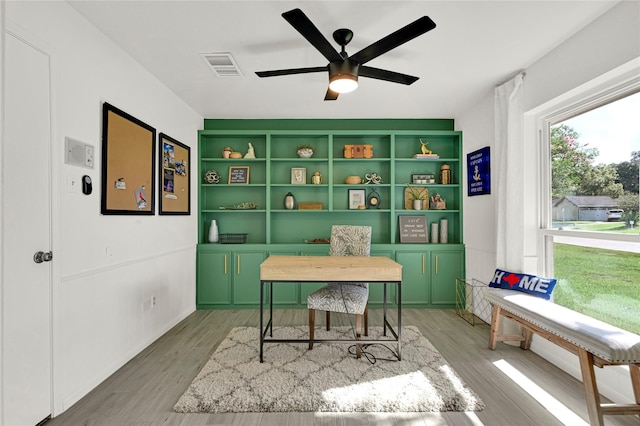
[{"x": 289, "y": 201}]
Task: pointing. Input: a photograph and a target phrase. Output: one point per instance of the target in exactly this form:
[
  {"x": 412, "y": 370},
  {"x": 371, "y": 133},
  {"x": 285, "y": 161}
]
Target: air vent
[{"x": 222, "y": 64}]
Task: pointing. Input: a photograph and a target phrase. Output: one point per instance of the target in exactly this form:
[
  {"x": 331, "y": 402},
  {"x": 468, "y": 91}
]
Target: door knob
[{"x": 41, "y": 256}]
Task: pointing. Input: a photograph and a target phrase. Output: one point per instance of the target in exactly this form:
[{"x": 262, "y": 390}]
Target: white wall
[
  {"x": 100, "y": 315},
  {"x": 610, "y": 42}
]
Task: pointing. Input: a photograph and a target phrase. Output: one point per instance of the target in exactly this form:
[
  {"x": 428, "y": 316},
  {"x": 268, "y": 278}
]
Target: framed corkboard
[
  {"x": 175, "y": 171},
  {"x": 128, "y": 164}
]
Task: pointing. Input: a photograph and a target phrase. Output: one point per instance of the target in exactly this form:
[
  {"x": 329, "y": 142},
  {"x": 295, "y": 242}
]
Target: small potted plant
[
  {"x": 305, "y": 151},
  {"x": 417, "y": 195}
]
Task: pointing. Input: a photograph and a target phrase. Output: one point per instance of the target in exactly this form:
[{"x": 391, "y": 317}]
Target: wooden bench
[{"x": 594, "y": 342}]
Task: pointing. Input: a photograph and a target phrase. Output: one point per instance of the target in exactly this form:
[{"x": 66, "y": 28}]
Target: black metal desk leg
[
  {"x": 261, "y": 317},
  {"x": 384, "y": 310},
  {"x": 399, "y": 285},
  {"x": 271, "y": 308}
]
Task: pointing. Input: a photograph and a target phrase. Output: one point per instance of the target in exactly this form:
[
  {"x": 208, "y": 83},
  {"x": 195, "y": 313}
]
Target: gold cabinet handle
[
  {"x": 423, "y": 264},
  {"x": 436, "y": 264},
  {"x": 238, "y": 264},
  {"x": 225, "y": 264}
]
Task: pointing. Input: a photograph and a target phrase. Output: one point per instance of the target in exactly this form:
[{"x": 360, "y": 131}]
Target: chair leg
[
  {"x": 312, "y": 320},
  {"x": 328, "y": 319},
  {"x": 358, "y": 333}
]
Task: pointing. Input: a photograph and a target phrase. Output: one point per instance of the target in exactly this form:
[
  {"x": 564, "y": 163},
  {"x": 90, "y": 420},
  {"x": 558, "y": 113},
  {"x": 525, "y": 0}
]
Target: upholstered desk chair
[{"x": 345, "y": 297}]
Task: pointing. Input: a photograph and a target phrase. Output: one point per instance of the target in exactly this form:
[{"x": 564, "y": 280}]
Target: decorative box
[
  {"x": 358, "y": 151},
  {"x": 310, "y": 206},
  {"x": 438, "y": 205}
]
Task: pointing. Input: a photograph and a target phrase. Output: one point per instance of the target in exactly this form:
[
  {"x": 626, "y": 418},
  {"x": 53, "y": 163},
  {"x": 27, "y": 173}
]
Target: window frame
[{"x": 613, "y": 86}]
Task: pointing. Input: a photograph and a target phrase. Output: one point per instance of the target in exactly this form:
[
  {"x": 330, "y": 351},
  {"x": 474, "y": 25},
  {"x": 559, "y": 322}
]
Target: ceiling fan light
[
  {"x": 343, "y": 76},
  {"x": 344, "y": 83}
]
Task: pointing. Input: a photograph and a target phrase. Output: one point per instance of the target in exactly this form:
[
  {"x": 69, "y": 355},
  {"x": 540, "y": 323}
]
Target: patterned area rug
[{"x": 327, "y": 378}]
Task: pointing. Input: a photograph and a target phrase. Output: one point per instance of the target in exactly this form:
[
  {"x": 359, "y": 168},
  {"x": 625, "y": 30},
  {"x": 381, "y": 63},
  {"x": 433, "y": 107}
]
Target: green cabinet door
[
  {"x": 446, "y": 266},
  {"x": 246, "y": 277},
  {"x": 415, "y": 277},
  {"x": 214, "y": 279}
]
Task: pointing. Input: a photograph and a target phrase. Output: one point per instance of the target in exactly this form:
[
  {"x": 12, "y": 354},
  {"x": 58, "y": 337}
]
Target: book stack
[{"x": 426, "y": 156}]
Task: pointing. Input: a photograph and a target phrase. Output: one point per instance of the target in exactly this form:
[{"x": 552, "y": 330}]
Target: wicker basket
[{"x": 233, "y": 238}]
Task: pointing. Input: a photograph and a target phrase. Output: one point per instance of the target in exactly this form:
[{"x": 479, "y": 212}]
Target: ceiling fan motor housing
[{"x": 346, "y": 69}]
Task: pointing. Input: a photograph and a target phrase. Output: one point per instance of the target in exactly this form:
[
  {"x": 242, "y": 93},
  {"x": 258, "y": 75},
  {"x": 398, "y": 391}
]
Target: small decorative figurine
[
  {"x": 424, "y": 148},
  {"x": 372, "y": 178},
  {"x": 250, "y": 153},
  {"x": 212, "y": 176}
]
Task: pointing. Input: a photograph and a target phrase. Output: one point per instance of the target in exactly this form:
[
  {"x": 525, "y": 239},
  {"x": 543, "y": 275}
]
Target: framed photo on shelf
[
  {"x": 357, "y": 198},
  {"x": 298, "y": 175},
  {"x": 175, "y": 191},
  {"x": 239, "y": 174}
]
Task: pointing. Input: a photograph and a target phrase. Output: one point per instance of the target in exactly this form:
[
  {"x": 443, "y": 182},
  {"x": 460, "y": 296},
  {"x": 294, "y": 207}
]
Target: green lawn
[{"x": 604, "y": 284}]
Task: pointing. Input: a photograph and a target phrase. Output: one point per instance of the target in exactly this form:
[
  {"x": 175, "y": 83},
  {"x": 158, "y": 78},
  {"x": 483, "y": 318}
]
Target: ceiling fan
[{"x": 343, "y": 69}]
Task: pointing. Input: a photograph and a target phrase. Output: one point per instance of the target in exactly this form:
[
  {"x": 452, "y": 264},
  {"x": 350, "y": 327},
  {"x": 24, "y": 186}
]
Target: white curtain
[{"x": 509, "y": 119}]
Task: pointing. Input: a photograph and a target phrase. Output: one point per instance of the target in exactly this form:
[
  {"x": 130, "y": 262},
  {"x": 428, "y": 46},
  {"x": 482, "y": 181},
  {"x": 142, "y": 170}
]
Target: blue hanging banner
[{"x": 479, "y": 172}]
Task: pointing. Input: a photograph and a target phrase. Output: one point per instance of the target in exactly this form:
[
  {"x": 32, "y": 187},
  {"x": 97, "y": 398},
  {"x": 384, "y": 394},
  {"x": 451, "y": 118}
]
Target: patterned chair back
[{"x": 350, "y": 240}]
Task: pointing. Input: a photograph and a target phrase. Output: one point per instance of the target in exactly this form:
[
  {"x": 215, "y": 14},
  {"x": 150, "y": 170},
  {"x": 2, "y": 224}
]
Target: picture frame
[
  {"x": 239, "y": 175},
  {"x": 357, "y": 198},
  {"x": 298, "y": 175},
  {"x": 479, "y": 172},
  {"x": 128, "y": 164},
  {"x": 174, "y": 179},
  {"x": 413, "y": 229},
  {"x": 426, "y": 178}
]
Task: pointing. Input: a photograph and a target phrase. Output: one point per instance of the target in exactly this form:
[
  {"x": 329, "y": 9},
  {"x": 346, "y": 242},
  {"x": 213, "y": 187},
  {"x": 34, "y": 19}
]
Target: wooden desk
[{"x": 309, "y": 269}]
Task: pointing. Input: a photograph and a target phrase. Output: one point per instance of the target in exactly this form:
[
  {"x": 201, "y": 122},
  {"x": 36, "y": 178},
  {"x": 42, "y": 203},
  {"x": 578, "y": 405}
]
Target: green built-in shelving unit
[{"x": 228, "y": 274}]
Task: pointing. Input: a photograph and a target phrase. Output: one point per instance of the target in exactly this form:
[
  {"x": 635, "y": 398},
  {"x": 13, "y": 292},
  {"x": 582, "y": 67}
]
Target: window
[{"x": 593, "y": 207}]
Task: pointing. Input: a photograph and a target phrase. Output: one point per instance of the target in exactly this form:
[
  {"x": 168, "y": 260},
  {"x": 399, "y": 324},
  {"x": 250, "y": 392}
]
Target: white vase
[
  {"x": 434, "y": 233},
  {"x": 213, "y": 232},
  {"x": 417, "y": 204},
  {"x": 444, "y": 231}
]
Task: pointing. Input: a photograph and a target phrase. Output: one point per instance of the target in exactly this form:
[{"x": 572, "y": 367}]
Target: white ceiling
[{"x": 476, "y": 45}]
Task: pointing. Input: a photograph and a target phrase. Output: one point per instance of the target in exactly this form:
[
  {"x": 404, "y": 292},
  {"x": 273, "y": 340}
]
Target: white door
[{"x": 26, "y": 204}]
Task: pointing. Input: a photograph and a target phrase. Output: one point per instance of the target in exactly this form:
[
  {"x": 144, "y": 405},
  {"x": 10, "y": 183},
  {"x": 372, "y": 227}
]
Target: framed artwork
[
  {"x": 357, "y": 198},
  {"x": 174, "y": 184},
  {"x": 239, "y": 174},
  {"x": 479, "y": 172},
  {"x": 128, "y": 164},
  {"x": 298, "y": 175}
]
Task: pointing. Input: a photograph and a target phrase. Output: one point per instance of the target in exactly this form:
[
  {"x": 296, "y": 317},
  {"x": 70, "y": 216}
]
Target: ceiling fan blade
[
  {"x": 392, "y": 76},
  {"x": 300, "y": 22},
  {"x": 275, "y": 73},
  {"x": 395, "y": 39},
  {"x": 331, "y": 95}
]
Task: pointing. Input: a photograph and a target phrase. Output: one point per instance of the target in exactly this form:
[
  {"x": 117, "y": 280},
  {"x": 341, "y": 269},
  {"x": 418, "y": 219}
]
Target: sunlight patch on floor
[{"x": 555, "y": 407}]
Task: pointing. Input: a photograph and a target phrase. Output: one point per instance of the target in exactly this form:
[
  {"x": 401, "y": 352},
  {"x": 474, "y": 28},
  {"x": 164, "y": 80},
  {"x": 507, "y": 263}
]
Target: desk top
[{"x": 330, "y": 268}]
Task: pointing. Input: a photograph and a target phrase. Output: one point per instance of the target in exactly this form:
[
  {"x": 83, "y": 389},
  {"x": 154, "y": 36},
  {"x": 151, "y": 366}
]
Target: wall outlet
[
  {"x": 146, "y": 305},
  {"x": 153, "y": 301}
]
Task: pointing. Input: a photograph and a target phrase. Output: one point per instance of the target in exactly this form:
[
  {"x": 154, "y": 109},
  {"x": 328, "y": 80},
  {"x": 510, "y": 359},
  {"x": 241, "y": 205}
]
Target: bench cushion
[
  {"x": 532, "y": 284},
  {"x": 606, "y": 341}
]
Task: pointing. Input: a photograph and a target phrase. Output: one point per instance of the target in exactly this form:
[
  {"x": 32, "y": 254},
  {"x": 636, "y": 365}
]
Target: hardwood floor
[{"x": 144, "y": 391}]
